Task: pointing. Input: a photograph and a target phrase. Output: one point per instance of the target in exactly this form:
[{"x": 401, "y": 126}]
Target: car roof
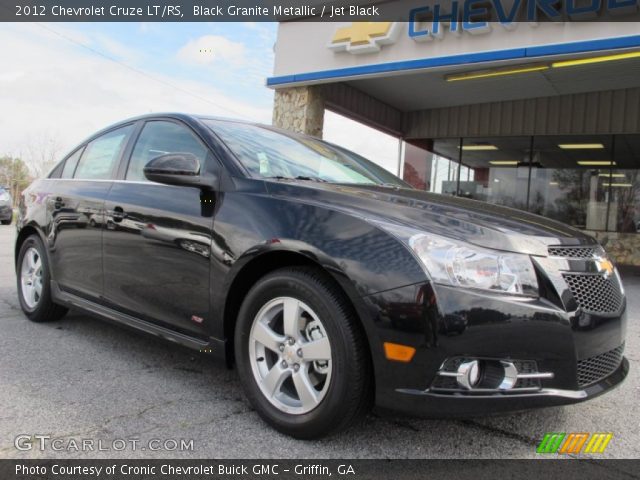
[
  {"x": 193, "y": 118},
  {"x": 199, "y": 117},
  {"x": 185, "y": 117}
]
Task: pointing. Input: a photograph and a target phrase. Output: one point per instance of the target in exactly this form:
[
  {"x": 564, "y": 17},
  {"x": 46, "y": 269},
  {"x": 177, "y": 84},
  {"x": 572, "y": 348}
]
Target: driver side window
[{"x": 159, "y": 137}]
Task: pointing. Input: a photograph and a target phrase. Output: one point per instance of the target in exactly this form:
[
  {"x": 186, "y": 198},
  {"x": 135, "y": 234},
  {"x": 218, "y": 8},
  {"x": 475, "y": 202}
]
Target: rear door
[
  {"x": 157, "y": 243},
  {"x": 75, "y": 205}
]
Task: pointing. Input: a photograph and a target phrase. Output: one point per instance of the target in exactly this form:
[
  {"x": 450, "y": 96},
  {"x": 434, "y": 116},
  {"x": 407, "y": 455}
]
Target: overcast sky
[{"x": 60, "y": 82}]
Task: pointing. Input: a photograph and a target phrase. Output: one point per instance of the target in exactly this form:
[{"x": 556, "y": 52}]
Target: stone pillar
[{"x": 299, "y": 109}]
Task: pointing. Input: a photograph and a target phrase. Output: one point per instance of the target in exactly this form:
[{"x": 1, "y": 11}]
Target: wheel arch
[
  {"x": 24, "y": 233},
  {"x": 269, "y": 261}
]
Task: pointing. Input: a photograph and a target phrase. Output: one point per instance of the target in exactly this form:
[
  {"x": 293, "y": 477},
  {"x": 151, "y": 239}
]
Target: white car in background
[{"x": 6, "y": 207}]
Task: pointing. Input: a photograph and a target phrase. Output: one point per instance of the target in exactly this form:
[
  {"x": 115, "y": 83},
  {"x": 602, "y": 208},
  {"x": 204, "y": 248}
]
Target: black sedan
[{"x": 328, "y": 282}]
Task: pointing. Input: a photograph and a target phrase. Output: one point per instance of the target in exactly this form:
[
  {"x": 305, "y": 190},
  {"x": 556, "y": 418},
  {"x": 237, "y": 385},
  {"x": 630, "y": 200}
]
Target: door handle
[{"x": 117, "y": 214}]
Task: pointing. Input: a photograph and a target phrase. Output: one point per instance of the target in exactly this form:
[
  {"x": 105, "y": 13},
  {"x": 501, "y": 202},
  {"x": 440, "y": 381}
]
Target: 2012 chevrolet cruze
[{"x": 329, "y": 282}]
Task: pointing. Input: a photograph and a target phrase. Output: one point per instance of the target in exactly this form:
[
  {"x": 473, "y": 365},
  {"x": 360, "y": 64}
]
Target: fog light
[
  {"x": 468, "y": 374},
  {"x": 487, "y": 375}
]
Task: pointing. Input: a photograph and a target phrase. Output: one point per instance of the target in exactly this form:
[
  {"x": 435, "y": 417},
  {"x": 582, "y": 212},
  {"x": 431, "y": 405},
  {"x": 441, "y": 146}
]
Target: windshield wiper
[{"x": 299, "y": 177}]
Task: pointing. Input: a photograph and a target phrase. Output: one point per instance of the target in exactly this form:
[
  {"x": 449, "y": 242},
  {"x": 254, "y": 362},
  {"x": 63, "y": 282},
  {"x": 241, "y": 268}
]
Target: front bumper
[
  {"x": 442, "y": 323},
  {"x": 428, "y": 403}
]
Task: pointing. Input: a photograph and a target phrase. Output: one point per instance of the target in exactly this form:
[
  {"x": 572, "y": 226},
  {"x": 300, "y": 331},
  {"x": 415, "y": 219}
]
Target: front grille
[
  {"x": 572, "y": 252},
  {"x": 593, "y": 369},
  {"x": 595, "y": 293}
]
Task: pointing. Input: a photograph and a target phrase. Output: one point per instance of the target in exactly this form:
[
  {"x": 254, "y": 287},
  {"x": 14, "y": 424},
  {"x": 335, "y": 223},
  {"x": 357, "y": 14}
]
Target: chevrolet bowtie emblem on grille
[
  {"x": 604, "y": 266},
  {"x": 364, "y": 37}
]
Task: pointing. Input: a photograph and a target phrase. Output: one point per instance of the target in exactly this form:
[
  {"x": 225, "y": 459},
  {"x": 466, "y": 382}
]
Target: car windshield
[
  {"x": 266, "y": 153},
  {"x": 4, "y": 195}
]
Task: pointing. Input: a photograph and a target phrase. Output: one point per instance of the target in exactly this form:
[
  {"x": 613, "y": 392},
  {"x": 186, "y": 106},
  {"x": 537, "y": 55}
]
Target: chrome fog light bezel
[
  {"x": 489, "y": 375},
  {"x": 469, "y": 374}
]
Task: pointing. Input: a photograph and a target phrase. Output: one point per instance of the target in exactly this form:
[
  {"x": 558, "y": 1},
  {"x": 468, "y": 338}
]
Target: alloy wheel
[
  {"x": 31, "y": 277},
  {"x": 290, "y": 355}
]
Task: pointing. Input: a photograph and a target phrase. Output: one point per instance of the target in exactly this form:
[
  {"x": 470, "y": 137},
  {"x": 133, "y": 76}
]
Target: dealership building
[{"x": 544, "y": 117}]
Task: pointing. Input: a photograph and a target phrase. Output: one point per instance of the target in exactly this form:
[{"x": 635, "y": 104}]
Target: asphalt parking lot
[{"x": 82, "y": 378}]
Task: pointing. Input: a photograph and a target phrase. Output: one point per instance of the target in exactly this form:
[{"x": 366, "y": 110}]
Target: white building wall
[{"x": 303, "y": 47}]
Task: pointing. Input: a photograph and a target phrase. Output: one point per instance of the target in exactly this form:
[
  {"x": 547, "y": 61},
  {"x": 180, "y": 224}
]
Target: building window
[
  {"x": 568, "y": 180},
  {"x": 589, "y": 182},
  {"x": 500, "y": 170},
  {"x": 444, "y": 175},
  {"x": 493, "y": 170},
  {"x": 625, "y": 185}
]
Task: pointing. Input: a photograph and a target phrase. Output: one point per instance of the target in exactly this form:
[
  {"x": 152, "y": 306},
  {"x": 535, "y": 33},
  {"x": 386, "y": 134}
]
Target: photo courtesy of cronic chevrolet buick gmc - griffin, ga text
[{"x": 329, "y": 283}]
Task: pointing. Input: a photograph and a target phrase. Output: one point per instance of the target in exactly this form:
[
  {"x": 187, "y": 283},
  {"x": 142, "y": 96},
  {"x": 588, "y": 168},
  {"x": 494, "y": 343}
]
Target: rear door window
[
  {"x": 99, "y": 159},
  {"x": 70, "y": 164}
]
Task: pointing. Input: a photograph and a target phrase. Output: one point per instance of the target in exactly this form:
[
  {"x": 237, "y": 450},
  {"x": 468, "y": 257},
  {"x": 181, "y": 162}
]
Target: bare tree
[
  {"x": 41, "y": 151},
  {"x": 14, "y": 176}
]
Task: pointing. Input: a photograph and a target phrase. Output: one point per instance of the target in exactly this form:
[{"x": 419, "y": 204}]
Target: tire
[
  {"x": 6, "y": 222},
  {"x": 336, "y": 392},
  {"x": 39, "y": 307}
]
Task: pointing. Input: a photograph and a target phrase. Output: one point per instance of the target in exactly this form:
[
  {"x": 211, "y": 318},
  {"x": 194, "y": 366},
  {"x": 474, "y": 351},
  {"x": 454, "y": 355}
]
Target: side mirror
[{"x": 178, "y": 169}]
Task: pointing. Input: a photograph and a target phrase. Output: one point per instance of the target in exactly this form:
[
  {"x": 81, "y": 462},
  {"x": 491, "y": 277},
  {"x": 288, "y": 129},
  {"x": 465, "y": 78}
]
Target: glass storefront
[{"x": 589, "y": 182}]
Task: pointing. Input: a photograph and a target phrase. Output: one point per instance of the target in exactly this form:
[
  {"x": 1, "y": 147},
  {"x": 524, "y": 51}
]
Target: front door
[{"x": 157, "y": 240}]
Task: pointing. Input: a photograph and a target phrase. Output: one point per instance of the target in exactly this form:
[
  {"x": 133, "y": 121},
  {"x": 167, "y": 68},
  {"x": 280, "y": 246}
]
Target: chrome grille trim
[{"x": 592, "y": 370}]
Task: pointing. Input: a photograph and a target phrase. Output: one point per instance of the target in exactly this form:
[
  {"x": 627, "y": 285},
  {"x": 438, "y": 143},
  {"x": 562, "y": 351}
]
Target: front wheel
[
  {"x": 34, "y": 283},
  {"x": 301, "y": 354}
]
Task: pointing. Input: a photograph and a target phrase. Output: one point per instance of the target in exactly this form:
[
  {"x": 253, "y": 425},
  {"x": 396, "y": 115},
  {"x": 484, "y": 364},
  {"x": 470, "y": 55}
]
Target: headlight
[
  {"x": 459, "y": 264},
  {"x": 453, "y": 262}
]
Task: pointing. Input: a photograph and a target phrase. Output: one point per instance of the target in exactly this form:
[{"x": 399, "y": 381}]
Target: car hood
[{"x": 472, "y": 221}]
